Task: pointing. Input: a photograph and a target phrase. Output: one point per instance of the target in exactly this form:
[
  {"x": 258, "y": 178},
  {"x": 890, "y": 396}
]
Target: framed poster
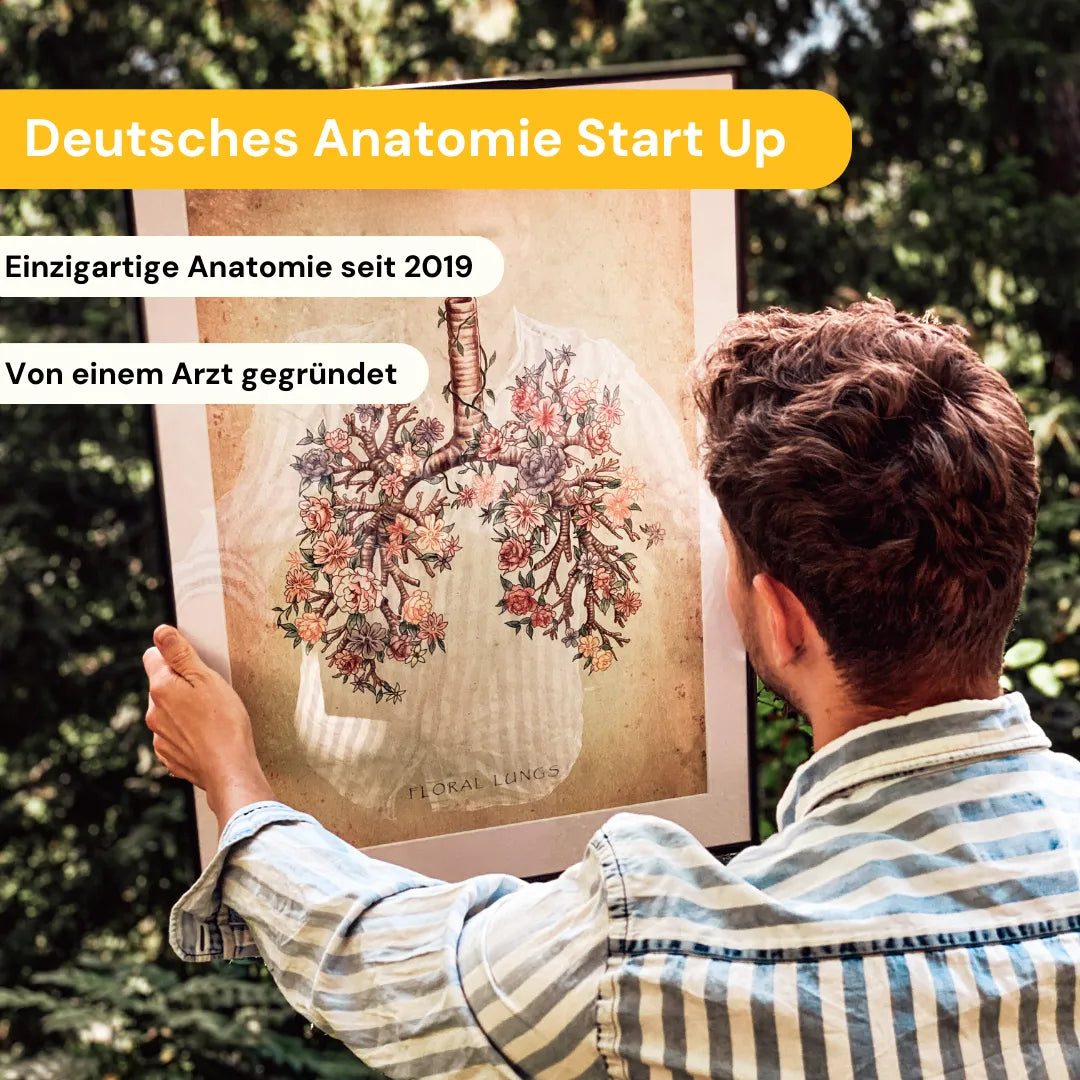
[{"x": 470, "y": 629}]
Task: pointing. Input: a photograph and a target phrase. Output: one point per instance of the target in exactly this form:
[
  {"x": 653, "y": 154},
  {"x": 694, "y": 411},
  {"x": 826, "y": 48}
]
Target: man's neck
[{"x": 840, "y": 714}]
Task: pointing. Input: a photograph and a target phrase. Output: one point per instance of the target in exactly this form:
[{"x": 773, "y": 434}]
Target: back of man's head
[{"x": 873, "y": 464}]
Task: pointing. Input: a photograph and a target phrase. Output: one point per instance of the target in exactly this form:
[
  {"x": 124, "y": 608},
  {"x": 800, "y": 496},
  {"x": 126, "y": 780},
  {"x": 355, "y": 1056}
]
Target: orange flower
[
  {"x": 298, "y": 586},
  {"x": 589, "y": 644},
  {"x": 310, "y": 627},
  {"x": 602, "y": 660},
  {"x": 417, "y": 604},
  {"x": 332, "y": 551},
  {"x": 617, "y": 504},
  {"x": 628, "y": 603}
]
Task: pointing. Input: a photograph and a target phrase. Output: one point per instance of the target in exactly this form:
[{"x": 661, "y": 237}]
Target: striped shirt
[{"x": 916, "y": 916}]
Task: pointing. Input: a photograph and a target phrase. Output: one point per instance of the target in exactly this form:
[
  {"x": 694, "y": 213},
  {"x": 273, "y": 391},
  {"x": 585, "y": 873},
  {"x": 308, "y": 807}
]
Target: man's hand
[{"x": 202, "y": 731}]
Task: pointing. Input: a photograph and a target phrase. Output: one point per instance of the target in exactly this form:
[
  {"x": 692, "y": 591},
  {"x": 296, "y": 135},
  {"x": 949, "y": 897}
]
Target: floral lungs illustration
[{"x": 380, "y": 495}]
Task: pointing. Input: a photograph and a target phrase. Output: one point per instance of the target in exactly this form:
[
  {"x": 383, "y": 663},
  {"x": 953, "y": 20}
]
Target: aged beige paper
[{"x": 500, "y": 727}]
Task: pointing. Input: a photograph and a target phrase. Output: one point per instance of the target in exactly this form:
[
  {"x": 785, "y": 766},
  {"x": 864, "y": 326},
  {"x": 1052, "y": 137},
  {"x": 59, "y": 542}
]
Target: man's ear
[{"x": 789, "y": 629}]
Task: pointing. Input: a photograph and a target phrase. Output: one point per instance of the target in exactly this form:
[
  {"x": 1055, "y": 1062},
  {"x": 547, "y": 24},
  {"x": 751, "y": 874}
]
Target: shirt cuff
[{"x": 201, "y": 927}]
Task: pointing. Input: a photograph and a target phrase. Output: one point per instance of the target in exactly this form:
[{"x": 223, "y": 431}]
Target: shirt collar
[{"x": 928, "y": 738}]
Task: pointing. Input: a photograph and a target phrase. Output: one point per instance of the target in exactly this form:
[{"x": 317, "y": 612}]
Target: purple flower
[
  {"x": 368, "y": 639},
  {"x": 428, "y": 430},
  {"x": 540, "y": 468},
  {"x": 315, "y": 464}
]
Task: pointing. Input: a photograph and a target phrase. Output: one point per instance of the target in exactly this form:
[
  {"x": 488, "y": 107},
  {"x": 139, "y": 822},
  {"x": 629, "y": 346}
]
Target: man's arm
[{"x": 418, "y": 977}]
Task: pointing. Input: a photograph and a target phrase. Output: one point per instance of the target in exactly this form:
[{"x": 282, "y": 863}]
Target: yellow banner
[{"x": 402, "y": 138}]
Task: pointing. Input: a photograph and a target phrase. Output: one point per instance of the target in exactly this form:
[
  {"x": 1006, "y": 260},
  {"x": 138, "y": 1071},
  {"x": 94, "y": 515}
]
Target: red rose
[
  {"x": 523, "y": 398},
  {"x": 520, "y": 600},
  {"x": 491, "y": 444},
  {"x": 348, "y": 663},
  {"x": 400, "y": 648},
  {"x": 597, "y": 438},
  {"x": 543, "y": 616},
  {"x": 514, "y": 554}
]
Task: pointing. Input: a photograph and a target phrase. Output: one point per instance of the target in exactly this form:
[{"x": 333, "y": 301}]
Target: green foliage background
[{"x": 963, "y": 193}]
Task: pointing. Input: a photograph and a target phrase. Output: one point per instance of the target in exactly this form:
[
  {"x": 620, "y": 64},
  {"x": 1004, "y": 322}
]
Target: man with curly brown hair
[{"x": 918, "y": 912}]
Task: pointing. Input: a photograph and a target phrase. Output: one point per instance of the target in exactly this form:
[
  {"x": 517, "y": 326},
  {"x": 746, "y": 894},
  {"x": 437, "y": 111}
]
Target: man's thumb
[{"x": 175, "y": 650}]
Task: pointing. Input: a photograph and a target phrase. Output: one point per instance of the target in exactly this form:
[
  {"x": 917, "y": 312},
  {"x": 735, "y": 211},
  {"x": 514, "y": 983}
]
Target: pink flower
[
  {"x": 523, "y": 513},
  {"x": 514, "y": 554},
  {"x": 578, "y": 401},
  {"x": 356, "y": 591},
  {"x": 337, "y": 440},
  {"x": 544, "y": 416},
  {"x": 399, "y": 528},
  {"x": 466, "y": 496},
  {"x": 332, "y": 551},
  {"x": 417, "y": 604},
  {"x": 392, "y": 484},
  {"x": 296, "y": 560},
  {"x": 520, "y": 600},
  {"x": 485, "y": 488},
  {"x": 429, "y": 537},
  {"x": 602, "y": 580},
  {"x": 298, "y": 586},
  {"x": 587, "y": 515},
  {"x": 523, "y": 398},
  {"x": 609, "y": 413},
  {"x": 632, "y": 484},
  {"x": 628, "y": 603},
  {"x": 316, "y": 513},
  {"x": 432, "y": 628},
  {"x": 451, "y": 545},
  {"x": 542, "y": 616},
  {"x": 491, "y": 444},
  {"x": 617, "y": 504},
  {"x": 310, "y": 627},
  {"x": 394, "y": 549},
  {"x": 597, "y": 437}
]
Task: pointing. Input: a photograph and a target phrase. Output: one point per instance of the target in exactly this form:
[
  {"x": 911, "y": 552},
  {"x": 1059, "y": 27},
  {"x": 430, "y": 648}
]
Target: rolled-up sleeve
[{"x": 419, "y": 977}]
